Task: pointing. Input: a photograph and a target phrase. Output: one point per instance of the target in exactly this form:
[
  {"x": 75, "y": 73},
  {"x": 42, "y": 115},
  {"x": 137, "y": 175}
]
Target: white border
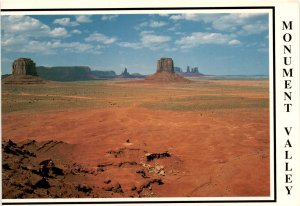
[{"x": 269, "y": 12}]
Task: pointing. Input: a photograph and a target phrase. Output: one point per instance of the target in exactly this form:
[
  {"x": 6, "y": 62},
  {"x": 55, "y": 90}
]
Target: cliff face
[
  {"x": 23, "y": 66},
  {"x": 165, "y": 72},
  {"x": 23, "y": 72},
  {"x": 104, "y": 74},
  {"x": 165, "y": 65},
  {"x": 64, "y": 73},
  {"x": 73, "y": 73}
]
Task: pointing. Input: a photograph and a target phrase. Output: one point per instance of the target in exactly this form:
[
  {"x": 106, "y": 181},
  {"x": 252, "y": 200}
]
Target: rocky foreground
[{"x": 34, "y": 169}]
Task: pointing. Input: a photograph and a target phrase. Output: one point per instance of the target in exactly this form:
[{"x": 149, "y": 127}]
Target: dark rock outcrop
[
  {"x": 125, "y": 74},
  {"x": 103, "y": 74},
  {"x": 29, "y": 171},
  {"x": 73, "y": 73},
  {"x": 191, "y": 72}
]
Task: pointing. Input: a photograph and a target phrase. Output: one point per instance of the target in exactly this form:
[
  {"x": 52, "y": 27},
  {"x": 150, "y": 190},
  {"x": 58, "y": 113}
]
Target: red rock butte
[
  {"x": 23, "y": 72},
  {"x": 24, "y": 66},
  {"x": 165, "y": 72}
]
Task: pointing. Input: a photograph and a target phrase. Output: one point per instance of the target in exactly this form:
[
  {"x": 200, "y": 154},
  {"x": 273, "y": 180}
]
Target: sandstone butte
[
  {"x": 23, "y": 72},
  {"x": 165, "y": 72}
]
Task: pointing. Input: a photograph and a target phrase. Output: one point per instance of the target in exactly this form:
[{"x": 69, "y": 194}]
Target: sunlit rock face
[
  {"x": 165, "y": 65},
  {"x": 24, "y": 66}
]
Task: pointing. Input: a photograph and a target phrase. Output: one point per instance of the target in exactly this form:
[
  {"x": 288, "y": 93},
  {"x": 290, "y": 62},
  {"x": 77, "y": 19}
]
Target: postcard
[{"x": 150, "y": 103}]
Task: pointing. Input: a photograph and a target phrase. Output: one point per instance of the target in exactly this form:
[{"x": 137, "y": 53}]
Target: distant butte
[
  {"x": 165, "y": 72},
  {"x": 23, "y": 72}
]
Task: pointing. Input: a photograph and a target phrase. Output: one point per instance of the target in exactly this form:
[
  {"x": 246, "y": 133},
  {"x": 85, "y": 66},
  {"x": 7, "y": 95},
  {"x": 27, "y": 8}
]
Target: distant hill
[{"x": 72, "y": 73}]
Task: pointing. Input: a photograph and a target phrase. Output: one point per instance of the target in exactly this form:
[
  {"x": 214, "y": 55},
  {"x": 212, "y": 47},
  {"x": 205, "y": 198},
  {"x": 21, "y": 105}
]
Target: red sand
[{"x": 217, "y": 153}]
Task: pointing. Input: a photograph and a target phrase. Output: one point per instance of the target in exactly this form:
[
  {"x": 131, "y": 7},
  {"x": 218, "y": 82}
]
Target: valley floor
[{"x": 121, "y": 139}]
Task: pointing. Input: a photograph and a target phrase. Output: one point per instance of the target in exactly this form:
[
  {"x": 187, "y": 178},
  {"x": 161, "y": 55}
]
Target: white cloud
[
  {"x": 196, "y": 17},
  {"x": 83, "y": 19},
  {"x": 231, "y": 21},
  {"x": 109, "y": 17},
  {"x": 29, "y": 27},
  {"x": 150, "y": 40},
  {"x": 65, "y": 22},
  {"x": 68, "y": 22},
  {"x": 12, "y": 24},
  {"x": 22, "y": 24},
  {"x": 99, "y": 37},
  {"x": 55, "y": 47},
  {"x": 133, "y": 45},
  {"x": 76, "y": 31},
  {"x": 242, "y": 23},
  {"x": 155, "y": 24},
  {"x": 152, "y": 24},
  {"x": 198, "y": 38},
  {"x": 190, "y": 17},
  {"x": 172, "y": 49},
  {"x": 26, "y": 34},
  {"x": 255, "y": 28},
  {"x": 57, "y": 32},
  {"x": 9, "y": 42},
  {"x": 77, "y": 47},
  {"x": 234, "y": 42}
]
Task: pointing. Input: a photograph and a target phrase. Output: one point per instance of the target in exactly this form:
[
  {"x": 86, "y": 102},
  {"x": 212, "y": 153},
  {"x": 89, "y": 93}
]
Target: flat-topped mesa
[
  {"x": 24, "y": 66},
  {"x": 165, "y": 64}
]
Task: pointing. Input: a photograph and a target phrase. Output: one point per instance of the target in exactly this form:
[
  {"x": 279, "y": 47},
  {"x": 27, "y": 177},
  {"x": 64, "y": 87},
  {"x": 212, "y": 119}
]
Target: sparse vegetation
[{"x": 198, "y": 96}]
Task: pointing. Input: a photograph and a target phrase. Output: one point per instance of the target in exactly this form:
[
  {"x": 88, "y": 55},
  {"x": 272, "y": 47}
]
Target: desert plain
[{"x": 205, "y": 138}]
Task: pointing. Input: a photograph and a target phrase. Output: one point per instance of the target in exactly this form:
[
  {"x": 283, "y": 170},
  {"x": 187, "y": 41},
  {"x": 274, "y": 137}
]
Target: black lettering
[
  {"x": 288, "y": 73},
  {"x": 287, "y": 26},
  {"x": 287, "y": 84},
  {"x": 288, "y": 130},
  {"x": 287, "y": 167},
  {"x": 288, "y": 95},
  {"x": 289, "y": 188},
  {"x": 289, "y": 49},
  {"x": 288, "y": 144},
  {"x": 287, "y": 155},
  {"x": 287, "y": 107},
  {"x": 287, "y": 37},
  {"x": 288, "y": 178},
  {"x": 286, "y": 60}
]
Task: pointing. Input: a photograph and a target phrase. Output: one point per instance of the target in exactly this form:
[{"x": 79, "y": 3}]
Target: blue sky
[{"x": 219, "y": 43}]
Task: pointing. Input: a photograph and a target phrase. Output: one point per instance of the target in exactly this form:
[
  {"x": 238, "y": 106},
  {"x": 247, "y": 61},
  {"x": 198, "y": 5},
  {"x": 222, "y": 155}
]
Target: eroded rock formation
[
  {"x": 165, "y": 72},
  {"x": 24, "y": 66},
  {"x": 23, "y": 72},
  {"x": 165, "y": 64}
]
